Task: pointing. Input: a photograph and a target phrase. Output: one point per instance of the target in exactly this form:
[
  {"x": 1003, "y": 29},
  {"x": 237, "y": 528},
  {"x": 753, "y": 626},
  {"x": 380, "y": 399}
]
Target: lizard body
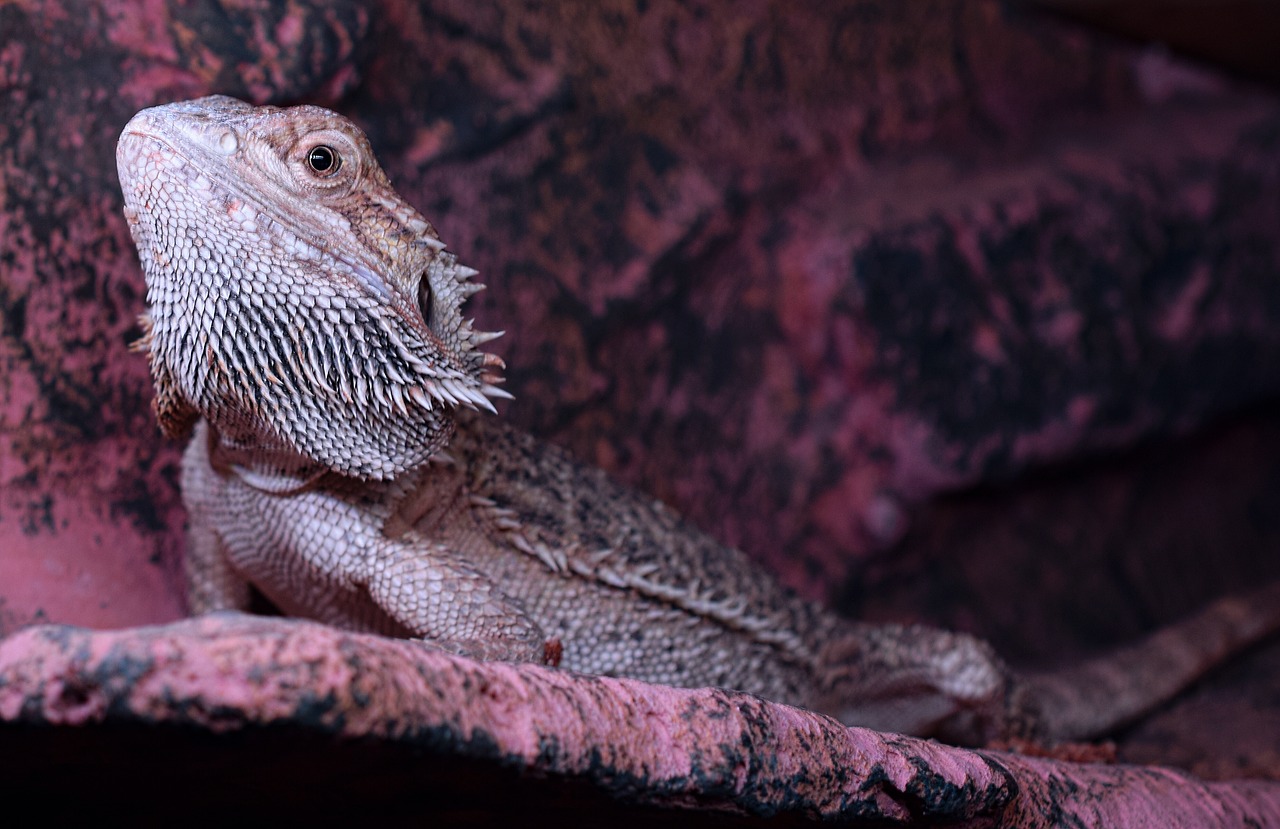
[{"x": 304, "y": 327}]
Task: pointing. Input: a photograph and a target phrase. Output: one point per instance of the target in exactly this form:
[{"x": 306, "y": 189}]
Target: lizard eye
[
  {"x": 324, "y": 160},
  {"x": 324, "y": 163}
]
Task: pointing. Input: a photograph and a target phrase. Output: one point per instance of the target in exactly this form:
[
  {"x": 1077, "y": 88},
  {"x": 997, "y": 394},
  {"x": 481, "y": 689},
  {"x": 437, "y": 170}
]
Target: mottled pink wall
[
  {"x": 809, "y": 273},
  {"x": 90, "y": 520},
  {"x": 793, "y": 271}
]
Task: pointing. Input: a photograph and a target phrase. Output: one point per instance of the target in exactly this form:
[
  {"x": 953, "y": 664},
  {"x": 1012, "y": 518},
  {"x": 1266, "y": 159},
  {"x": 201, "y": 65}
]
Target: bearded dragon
[{"x": 304, "y": 329}]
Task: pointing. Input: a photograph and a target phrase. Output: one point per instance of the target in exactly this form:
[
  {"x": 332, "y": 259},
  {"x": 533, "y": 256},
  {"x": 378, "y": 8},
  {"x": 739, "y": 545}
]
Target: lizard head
[{"x": 296, "y": 301}]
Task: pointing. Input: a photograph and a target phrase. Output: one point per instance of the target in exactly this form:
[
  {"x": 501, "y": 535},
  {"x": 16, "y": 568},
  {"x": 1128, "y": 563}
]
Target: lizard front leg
[
  {"x": 212, "y": 583},
  {"x": 322, "y": 552},
  {"x": 404, "y": 586},
  {"x": 422, "y": 587},
  {"x": 435, "y": 595}
]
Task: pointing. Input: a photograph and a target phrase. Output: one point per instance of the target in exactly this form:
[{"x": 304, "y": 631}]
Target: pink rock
[
  {"x": 797, "y": 271},
  {"x": 643, "y": 745},
  {"x": 790, "y": 306}
]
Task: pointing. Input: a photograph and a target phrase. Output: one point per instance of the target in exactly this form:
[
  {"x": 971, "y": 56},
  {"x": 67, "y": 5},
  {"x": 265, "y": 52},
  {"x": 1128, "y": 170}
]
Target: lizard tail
[{"x": 1103, "y": 694}]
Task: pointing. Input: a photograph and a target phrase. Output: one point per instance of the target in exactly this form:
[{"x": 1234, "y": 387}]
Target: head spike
[
  {"x": 482, "y": 337},
  {"x": 421, "y": 397}
]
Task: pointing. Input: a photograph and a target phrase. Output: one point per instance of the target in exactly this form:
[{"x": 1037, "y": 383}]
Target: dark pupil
[{"x": 323, "y": 159}]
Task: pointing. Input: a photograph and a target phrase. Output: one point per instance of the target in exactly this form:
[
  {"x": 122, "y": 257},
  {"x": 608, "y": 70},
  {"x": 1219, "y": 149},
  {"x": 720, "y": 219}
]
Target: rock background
[{"x": 944, "y": 311}]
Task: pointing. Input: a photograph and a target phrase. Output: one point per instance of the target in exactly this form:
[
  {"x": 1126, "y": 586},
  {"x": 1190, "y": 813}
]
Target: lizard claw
[{"x": 552, "y": 652}]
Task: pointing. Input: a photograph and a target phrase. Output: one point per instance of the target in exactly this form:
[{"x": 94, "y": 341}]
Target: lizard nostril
[{"x": 228, "y": 143}]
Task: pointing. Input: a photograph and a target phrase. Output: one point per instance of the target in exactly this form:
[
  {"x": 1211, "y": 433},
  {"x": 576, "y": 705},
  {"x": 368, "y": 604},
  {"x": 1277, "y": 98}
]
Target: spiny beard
[{"x": 338, "y": 378}]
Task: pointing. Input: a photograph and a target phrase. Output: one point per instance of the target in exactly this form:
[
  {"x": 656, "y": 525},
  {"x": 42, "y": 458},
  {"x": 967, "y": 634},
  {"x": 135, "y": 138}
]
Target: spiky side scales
[{"x": 309, "y": 320}]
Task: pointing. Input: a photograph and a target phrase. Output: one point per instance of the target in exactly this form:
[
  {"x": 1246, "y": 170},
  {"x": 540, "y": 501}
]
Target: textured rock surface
[
  {"x": 640, "y": 744},
  {"x": 797, "y": 271},
  {"x": 90, "y": 521},
  {"x": 791, "y": 289}
]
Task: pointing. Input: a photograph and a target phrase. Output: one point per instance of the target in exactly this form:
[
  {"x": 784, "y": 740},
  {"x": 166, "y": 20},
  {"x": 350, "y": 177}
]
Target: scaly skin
[{"x": 305, "y": 324}]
